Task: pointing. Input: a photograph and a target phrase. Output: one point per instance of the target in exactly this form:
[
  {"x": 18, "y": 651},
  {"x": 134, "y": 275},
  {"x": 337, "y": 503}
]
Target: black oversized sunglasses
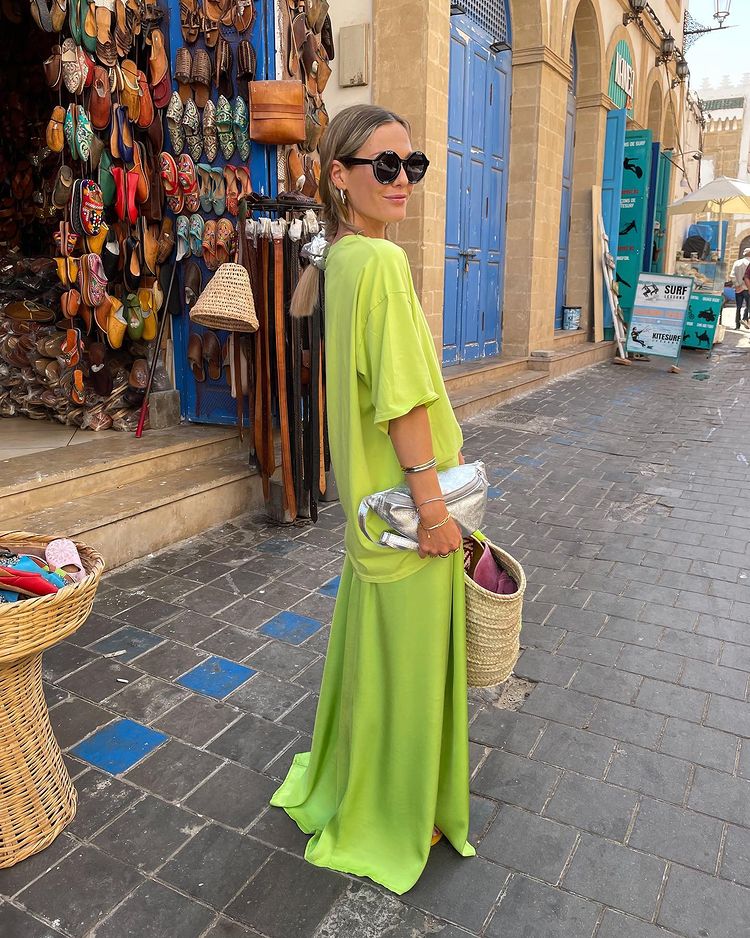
[{"x": 386, "y": 166}]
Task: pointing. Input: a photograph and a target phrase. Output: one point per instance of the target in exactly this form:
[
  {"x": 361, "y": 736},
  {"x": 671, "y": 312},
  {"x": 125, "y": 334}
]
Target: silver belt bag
[{"x": 465, "y": 490}]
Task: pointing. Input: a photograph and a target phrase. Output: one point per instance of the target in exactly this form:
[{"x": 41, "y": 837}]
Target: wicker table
[{"x": 37, "y": 797}]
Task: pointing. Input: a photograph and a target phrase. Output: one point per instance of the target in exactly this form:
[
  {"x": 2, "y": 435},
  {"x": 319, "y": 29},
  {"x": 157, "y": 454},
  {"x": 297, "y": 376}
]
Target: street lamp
[
  {"x": 666, "y": 49},
  {"x": 636, "y": 11},
  {"x": 693, "y": 30},
  {"x": 682, "y": 71},
  {"x": 721, "y": 11}
]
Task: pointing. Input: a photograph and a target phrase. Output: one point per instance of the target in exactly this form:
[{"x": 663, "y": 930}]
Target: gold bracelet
[
  {"x": 423, "y": 467},
  {"x": 434, "y": 527},
  {"x": 427, "y": 501}
]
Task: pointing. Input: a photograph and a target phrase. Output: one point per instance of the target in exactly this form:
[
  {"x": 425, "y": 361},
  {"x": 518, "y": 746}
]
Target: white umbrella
[{"x": 724, "y": 196}]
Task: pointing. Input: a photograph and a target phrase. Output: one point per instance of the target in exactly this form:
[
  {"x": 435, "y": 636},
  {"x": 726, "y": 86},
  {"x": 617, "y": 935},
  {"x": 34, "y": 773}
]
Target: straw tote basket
[
  {"x": 493, "y": 625},
  {"x": 37, "y": 797},
  {"x": 227, "y": 301}
]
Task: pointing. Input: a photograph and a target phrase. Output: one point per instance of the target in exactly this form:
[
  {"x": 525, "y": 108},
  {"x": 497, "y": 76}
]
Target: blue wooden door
[
  {"x": 566, "y": 197},
  {"x": 210, "y": 401},
  {"x": 476, "y": 194},
  {"x": 614, "y": 148}
]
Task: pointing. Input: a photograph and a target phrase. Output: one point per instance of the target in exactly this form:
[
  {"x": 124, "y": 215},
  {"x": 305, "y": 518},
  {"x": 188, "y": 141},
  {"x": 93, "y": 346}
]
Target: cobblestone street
[{"x": 613, "y": 802}]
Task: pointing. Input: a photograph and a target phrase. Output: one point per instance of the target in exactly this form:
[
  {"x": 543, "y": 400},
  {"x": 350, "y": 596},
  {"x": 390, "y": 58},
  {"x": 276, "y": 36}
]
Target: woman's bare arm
[{"x": 412, "y": 440}]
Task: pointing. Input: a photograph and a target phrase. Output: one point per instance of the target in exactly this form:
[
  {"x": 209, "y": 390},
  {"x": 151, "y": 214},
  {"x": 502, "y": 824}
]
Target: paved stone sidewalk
[{"x": 615, "y": 803}]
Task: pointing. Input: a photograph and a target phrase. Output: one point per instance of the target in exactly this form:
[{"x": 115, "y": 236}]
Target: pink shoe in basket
[{"x": 62, "y": 554}]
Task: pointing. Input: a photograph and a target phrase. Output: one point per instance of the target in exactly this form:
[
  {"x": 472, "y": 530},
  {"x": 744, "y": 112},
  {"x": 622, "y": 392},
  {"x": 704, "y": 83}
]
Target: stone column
[
  {"x": 591, "y": 128},
  {"x": 540, "y": 88},
  {"x": 411, "y": 60}
]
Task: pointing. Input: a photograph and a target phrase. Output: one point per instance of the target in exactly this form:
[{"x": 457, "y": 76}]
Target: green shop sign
[
  {"x": 636, "y": 176},
  {"x": 622, "y": 78}
]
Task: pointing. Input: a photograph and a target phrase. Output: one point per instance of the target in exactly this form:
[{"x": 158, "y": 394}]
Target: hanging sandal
[
  {"x": 210, "y": 30},
  {"x": 190, "y": 20},
  {"x": 219, "y": 191},
  {"x": 246, "y": 62},
  {"x": 159, "y": 74},
  {"x": 168, "y": 173},
  {"x": 100, "y": 100},
  {"x": 182, "y": 71},
  {"x": 210, "y": 139},
  {"x": 232, "y": 197},
  {"x": 188, "y": 183},
  {"x": 182, "y": 229},
  {"x": 209, "y": 245},
  {"x": 225, "y": 241},
  {"x": 240, "y": 128},
  {"x": 195, "y": 356},
  {"x": 55, "y": 135},
  {"x": 200, "y": 77},
  {"x": 224, "y": 127},
  {"x": 166, "y": 241},
  {"x": 206, "y": 185},
  {"x": 196, "y": 234},
  {"x": 175, "y": 112},
  {"x": 133, "y": 317},
  {"x": 191, "y": 128}
]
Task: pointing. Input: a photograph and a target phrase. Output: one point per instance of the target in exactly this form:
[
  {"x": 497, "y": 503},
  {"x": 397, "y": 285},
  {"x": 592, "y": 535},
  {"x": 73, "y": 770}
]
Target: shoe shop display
[{"x": 82, "y": 228}]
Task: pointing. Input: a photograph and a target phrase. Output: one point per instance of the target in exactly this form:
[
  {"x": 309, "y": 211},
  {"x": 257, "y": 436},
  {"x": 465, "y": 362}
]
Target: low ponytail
[{"x": 306, "y": 294}]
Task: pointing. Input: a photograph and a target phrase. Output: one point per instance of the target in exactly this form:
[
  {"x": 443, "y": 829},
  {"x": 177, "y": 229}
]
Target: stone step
[
  {"x": 131, "y": 520},
  {"x": 485, "y": 394},
  {"x": 457, "y": 377},
  {"x": 54, "y": 477},
  {"x": 558, "y": 362}
]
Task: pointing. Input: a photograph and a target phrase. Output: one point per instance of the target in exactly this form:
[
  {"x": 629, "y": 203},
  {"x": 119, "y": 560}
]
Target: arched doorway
[
  {"x": 744, "y": 245},
  {"x": 566, "y": 196},
  {"x": 654, "y": 117},
  {"x": 477, "y": 180},
  {"x": 586, "y": 56}
]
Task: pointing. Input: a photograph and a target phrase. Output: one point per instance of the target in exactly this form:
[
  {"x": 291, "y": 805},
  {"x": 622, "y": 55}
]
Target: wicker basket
[
  {"x": 37, "y": 797},
  {"x": 493, "y": 626},
  {"x": 227, "y": 301}
]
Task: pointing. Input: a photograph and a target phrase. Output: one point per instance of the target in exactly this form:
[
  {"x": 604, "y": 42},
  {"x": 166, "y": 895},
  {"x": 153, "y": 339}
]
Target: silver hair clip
[{"x": 315, "y": 251}]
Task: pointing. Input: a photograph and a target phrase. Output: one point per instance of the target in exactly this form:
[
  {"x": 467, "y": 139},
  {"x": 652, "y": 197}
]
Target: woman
[{"x": 389, "y": 768}]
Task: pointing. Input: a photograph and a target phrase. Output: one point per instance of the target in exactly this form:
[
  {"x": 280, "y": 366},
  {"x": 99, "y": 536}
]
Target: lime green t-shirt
[{"x": 380, "y": 365}]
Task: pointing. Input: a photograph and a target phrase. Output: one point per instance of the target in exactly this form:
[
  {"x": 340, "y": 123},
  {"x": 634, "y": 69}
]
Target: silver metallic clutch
[{"x": 465, "y": 490}]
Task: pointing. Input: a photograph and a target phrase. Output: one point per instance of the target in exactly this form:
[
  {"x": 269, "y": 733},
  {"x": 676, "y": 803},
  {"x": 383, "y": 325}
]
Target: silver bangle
[{"x": 430, "y": 464}]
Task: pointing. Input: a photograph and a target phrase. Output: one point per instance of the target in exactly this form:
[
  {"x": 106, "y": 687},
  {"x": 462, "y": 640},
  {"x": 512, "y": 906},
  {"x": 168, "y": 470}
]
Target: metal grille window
[{"x": 491, "y": 15}]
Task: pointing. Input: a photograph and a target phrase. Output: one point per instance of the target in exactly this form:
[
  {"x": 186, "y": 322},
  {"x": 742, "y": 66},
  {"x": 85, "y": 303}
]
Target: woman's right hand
[{"x": 442, "y": 541}]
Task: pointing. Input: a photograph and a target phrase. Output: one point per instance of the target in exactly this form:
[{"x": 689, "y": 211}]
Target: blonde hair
[{"x": 347, "y": 133}]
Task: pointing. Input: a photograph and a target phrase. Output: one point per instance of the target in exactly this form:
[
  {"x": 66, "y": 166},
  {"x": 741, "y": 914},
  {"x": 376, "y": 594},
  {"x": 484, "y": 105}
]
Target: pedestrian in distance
[
  {"x": 388, "y": 770},
  {"x": 741, "y": 283}
]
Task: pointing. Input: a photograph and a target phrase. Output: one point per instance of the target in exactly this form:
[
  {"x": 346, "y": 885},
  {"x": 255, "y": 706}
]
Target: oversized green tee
[{"x": 380, "y": 365}]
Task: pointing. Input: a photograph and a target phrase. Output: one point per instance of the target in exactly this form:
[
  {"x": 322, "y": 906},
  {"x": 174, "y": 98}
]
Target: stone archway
[
  {"x": 655, "y": 113},
  {"x": 584, "y": 27}
]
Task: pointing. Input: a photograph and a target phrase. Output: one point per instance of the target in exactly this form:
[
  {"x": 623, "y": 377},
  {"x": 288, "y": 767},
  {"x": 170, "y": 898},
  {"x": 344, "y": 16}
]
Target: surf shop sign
[{"x": 622, "y": 78}]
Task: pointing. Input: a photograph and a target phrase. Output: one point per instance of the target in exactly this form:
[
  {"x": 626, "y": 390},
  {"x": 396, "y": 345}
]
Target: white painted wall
[{"x": 347, "y": 13}]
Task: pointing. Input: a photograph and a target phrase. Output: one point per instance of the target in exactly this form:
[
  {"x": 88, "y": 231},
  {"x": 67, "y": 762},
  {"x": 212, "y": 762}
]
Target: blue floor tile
[
  {"x": 276, "y": 547},
  {"x": 134, "y": 641},
  {"x": 494, "y": 491},
  {"x": 529, "y": 461},
  {"x": 216, "y": 677},
  {"x": 291, "y": 627},
  {"x": 331, "y": 588},
  {"x": 117, "y": 747}
]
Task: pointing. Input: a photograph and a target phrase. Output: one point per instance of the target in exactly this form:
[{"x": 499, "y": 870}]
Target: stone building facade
[
  {"x": 726, "y": 149},
  {"x": 564, "y": 56}
]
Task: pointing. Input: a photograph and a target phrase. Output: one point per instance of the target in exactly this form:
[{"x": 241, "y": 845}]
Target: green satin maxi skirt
[{"x": 390, "y": 749}]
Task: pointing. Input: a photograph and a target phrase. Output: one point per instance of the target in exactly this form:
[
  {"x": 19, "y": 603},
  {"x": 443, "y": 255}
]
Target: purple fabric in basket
[{"x": 490, "y": 575}]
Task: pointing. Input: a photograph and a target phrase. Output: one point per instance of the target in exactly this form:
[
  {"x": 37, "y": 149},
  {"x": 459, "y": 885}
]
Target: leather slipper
[
  {"x": 55, "y": 135},
  {"x": 195, "y": 356},
  {"x": 193, "y": 283},
  {"x": 212, "y": 355}
]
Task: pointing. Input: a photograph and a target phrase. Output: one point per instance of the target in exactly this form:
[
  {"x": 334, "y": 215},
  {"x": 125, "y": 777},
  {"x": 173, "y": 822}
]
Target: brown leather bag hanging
[{"x": 277, "y": 112}]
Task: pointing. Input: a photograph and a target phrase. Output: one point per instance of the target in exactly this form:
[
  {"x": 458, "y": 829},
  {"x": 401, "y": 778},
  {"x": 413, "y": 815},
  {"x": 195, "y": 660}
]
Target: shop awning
[{"x": 724, "y": 196}]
